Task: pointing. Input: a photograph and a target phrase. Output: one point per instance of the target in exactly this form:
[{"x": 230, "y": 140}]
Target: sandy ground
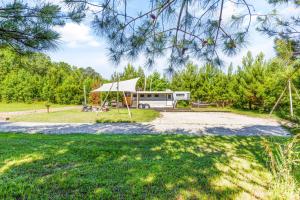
[{"x": 194, "y": 123}]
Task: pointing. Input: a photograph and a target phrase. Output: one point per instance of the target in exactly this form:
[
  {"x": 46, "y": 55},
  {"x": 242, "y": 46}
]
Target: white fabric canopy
[{"x": 124, "y": 86}]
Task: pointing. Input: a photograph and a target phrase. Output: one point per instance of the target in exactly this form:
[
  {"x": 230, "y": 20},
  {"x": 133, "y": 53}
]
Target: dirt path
[
  {"x": 4, "y": 115},
  {"x": 194, "y": 123}
]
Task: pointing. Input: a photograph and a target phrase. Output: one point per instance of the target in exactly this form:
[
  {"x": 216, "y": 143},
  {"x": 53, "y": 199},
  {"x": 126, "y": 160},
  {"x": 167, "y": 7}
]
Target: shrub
[
  {"x": 283, "y": 160},
  {"x": 114, "y": 121}
]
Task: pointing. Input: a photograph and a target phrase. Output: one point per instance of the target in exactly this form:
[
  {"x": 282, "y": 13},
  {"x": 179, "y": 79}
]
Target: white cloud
[
  {"x": 231, "y": 9},
  {"x": 288, "y": 10},
  {"x": 75, "y": 35}
]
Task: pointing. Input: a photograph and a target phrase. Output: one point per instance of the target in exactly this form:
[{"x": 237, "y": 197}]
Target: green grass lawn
[
  {"x": 10, "y": 107},
  {"x": 132, "y": 167},
  {"x": 76, "y": 116}
]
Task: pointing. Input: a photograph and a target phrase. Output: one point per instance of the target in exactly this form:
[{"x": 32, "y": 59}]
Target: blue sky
[{"x": 79, "y": 46}]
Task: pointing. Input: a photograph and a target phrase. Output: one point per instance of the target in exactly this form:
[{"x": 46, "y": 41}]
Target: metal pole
[
  {"x": 84, "y": 92},
  {"x": 291, "y": 99},
  {"x": 145, "y": 86}
]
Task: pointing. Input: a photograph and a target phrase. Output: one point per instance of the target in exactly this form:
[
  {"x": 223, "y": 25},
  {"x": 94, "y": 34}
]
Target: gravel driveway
[{"x": 195, "y": 123}]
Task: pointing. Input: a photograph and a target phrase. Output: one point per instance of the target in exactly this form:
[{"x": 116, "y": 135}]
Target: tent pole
[
  {"x": 84, "y": 92},
  {"x": 291, "y": 99},
  {"x": 105, "y": 98},
  {"x": 295, "y": 89},
  {"x": 137, "y": 100},
  {"x": 118, "y": 92},
  {"x": 129, "y": 113},
  {"x": 278, "y": 100}
]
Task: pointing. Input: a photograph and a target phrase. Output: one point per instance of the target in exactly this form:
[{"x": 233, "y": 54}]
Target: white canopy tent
[{"x": 119, "y": 86}]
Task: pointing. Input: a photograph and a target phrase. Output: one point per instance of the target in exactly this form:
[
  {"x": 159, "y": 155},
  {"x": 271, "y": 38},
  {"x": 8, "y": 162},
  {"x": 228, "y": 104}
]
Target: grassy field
[
  {"x": 77, "y": 116},
  {"x": 132, "y": 167},
  {"x": 10, "y": 107}
]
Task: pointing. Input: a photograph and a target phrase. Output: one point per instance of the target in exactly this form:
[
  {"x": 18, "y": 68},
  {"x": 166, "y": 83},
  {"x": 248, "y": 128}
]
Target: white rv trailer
[
  {"x": 158, "y": 99},
  {"x": 144, "y": 99}
]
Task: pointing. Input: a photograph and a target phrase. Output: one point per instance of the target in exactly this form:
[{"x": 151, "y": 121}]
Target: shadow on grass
[{"x": 130, "y": 167}]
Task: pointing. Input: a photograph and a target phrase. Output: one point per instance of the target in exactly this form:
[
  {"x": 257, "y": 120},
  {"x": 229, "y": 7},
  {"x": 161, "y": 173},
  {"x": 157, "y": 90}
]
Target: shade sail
[{"x": 124, "y": 86}]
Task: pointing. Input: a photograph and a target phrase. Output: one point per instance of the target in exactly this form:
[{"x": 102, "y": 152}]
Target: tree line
[
  {"x": 34, "y": 77},
  {"x": 256, "y": 84}
]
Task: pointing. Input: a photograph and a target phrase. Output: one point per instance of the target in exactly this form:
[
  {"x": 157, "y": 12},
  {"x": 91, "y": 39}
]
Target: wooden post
[
  {"x": 291, "y": 98},
  {"x": 129, "y": 113}
]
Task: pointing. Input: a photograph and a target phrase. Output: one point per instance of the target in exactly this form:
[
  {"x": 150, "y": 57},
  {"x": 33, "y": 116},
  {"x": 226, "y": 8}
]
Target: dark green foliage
[
  {"x": 208, "y": 83},
  {"x": 34, "y": 77},
  {"x": 155, "y": 82},
  {"x": 255, "y": 85}
]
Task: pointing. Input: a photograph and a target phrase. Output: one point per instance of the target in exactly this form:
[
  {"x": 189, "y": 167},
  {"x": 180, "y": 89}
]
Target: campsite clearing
[
  {"x": 126, "y": 166},
  {"x": 76, "y": 116}
]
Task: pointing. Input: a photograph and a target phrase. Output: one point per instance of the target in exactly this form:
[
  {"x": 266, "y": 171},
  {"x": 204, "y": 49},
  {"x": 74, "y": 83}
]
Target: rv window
[
  {"x": 179, "y": 95},
  {"x": 149, "y": 95},
  {"x": 169, "y": 96},
  {"x": 134, "y": 95},
  {"x": 142, "y": 95},
  {"x": 156, "y": 95}
]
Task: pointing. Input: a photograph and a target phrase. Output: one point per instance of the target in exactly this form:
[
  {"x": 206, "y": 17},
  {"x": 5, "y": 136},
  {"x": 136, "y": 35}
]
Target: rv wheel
[{"x": 147, "y": 106}]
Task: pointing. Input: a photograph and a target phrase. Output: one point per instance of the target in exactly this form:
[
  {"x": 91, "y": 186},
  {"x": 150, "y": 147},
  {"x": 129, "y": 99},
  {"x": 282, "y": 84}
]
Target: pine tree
[
  {"x": 250, "y": 81},
  {"x": 30, "y": 26}
]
